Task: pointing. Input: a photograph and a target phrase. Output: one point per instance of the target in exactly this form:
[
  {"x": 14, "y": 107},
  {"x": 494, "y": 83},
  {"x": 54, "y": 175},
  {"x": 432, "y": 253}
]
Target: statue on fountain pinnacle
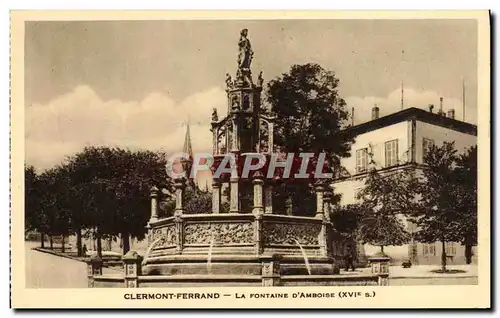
[
  {"x": 245, "y": 56},
  {"x": 215, "y": 117},
  {"x": 245, "y": 51},
  {"x": 229, "y": 81}
]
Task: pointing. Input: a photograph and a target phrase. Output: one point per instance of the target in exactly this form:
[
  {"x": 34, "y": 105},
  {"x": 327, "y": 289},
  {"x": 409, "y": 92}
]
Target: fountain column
[
  {"x": 326, "y": 228},
  {"x": 234, "y": 180},
  {"x": 258, "y": 210},
  {"x": 216, "y": 195},
  {"x": 154, "y": 204},
  {"x": 235, "y": 141},
  {"x": 270, "y": 137},
  {"x": 319, "y": 200},
  {"x": 327, "y": 201},
  {"x": 320, "y": 214},
  {"x": 180, "y": 185},
  {"x": 268, "y": 199},
  {"x": 234, "y": 203},
  {"x": 257, "y": 193},
  {"x": 289, "y": 206},
  {"x": 215, "y": 133}
]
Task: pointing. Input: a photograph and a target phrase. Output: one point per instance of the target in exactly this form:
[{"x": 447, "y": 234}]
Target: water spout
[
  {"x": 306, "y": 261},
  {"x": 146, "y": 255},
  {"x": 209, "y": 259}
]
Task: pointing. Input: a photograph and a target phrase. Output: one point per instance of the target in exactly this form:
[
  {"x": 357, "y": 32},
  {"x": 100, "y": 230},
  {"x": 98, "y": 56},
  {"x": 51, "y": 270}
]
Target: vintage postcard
[{"x": 250, "y": 159}]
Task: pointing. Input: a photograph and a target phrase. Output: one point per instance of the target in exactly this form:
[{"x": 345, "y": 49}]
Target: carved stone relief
[
  {"x": 289, "y": 234},
  {"x": 222, "y": 233},
  {"x": 167, "y": 236}
]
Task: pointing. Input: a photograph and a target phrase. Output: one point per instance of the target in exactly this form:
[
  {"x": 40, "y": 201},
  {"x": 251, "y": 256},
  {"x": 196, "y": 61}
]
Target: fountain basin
[
  {"x": 181, "y": 245},
  {"x": 235, "y": 250}
]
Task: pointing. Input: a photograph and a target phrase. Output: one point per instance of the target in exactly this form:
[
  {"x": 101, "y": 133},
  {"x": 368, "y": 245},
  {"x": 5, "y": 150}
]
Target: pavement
[
  {"x": 425, "y": 271},
  {"x": 430, "y": 271},
  {"x": 45, "y": 270}
]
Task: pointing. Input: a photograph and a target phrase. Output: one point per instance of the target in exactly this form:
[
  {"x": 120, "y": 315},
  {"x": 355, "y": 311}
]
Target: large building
[{"x": 396, "y": 140}]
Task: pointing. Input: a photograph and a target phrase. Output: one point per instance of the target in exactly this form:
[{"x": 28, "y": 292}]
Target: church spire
[{"x": 188, "y": 148}]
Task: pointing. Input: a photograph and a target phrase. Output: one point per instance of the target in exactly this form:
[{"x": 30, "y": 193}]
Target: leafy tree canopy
[{"x": 310, "y": 116}]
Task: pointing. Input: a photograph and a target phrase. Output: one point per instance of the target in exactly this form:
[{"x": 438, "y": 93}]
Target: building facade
[{"x": 392, "y": 142}]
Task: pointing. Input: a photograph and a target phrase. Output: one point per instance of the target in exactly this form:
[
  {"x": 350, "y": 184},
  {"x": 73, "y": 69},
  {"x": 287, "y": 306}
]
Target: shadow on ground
[{"x": 448, "y": 271}]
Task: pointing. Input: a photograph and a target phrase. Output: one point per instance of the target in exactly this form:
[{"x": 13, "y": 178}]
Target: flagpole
[
  {"x": 463, "y": 99},
  {"x": 402, "y": 95},
  {"x": 402, "y": 75}
]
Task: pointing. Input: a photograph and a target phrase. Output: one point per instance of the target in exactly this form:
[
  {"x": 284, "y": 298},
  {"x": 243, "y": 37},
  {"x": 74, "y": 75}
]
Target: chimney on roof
[
  {"x": 431, "y": 107},
  {"x": 375, "y": 112},
  {"x": 451, "y": 113},
  {"x": 441, "y": 105}
]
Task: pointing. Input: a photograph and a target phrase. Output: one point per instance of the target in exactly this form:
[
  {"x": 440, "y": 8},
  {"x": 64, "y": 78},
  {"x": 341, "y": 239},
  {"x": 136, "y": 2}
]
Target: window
[
  {"x": 429, "y": 249},
  {"x": 450, "y": 248},
  {"x": 426, "y": 145},
  {"x": 391, "y": 153},
  {"x": 361, "y": 159}
]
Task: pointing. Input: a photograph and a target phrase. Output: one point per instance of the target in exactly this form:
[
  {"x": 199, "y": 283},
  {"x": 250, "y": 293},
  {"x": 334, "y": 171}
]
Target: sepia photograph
[{"x": 338, "y": 156}]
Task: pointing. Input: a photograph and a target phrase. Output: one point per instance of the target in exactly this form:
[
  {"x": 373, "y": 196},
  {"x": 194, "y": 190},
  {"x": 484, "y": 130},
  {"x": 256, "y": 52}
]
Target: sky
[{"x": 136, "y": 83}]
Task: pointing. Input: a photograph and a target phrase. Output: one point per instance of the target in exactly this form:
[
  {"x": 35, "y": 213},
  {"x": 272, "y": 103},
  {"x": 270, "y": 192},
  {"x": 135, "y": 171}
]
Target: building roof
[{"x": 410, "y": 114}]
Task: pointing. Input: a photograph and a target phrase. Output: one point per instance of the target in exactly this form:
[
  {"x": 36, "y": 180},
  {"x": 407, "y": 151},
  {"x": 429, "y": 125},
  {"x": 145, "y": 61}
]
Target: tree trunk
[
  {"x": 443, "y": 256},
  {"x": 126, "y": 242},
  {"x": 42, "y": 240},
  {"x": 51, "y": 242},
  {"x": 79, "y": 242},
  {"x": 110, "y": 244},
  {"x": 62, "y": 243},
  {"x": 468, "y": 254},
  {"x": 99, "y": 246},
  {"x": 382, "y": 249}
]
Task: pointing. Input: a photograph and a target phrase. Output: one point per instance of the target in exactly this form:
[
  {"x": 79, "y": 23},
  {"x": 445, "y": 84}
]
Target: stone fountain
[{"x": 251, "y": 244}]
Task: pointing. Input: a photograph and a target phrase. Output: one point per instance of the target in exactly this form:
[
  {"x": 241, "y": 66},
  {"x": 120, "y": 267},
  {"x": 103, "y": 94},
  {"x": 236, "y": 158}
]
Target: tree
[
  {"x": 53, "y": 213},
  {"x": 198, "y": 201},
  {"x": 466, "y": 206},
  {"x": 91, "y": 172},
  {"x": 136, "y": 172},
  {"x": 114, "y": 186},
  {"x": 32, "y": 209},
  {"x": 385, "y": 200},
  {"x": 103, "y": 189},
  {"x": 77, "y": 205},
  {"x": 345, "y": 219},
  {"x": 437, "y": 217},
  {"x": 310, "y": 117}
]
